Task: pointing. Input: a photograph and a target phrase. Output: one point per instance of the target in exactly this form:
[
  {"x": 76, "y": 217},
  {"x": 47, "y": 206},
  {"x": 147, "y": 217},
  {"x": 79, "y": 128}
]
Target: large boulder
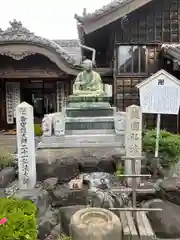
[
  {"x": 101, "y": 193},
  {"x": 55, "y": 233},
  {"x": 46, "y": 223},
  {"x": 7, "y": 175},
  {"x": 50, "y": 163},
  {"x": 62, "y": 195},
  {"x": 170, "y": 189},
  {"x": 165, "y": 223},
  {"x": 153, "y": 187}
]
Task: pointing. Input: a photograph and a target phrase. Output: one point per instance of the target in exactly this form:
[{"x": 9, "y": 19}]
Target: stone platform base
[
  {"x": 67, "y": 163},
  {"x": 81, "y": 141}
]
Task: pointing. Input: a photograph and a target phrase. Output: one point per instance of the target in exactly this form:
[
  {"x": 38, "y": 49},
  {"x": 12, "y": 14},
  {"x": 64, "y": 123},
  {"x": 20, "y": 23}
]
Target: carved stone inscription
[
  {"x": 133, "y": 131},
  {"x": 26, "y": 146},
  {"x": 133, "y": 138}
]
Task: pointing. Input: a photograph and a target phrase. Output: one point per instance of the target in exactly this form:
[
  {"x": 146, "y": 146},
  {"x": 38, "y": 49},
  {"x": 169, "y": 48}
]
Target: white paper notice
[{"x": 161, "y": 100}]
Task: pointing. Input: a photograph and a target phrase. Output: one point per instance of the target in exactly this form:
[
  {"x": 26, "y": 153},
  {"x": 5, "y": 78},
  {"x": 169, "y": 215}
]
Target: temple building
[
  {"x": 134, "y": 39},
  {"x": 36, "y": 70},
  {"x": 128, "y": 41}
]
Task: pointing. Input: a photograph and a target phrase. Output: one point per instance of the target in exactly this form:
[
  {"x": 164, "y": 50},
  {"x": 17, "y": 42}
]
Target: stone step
[
  {"x": 89, "y": 119},
  {"x": 89, "y": 112},
  {"x": 81, "y": 141},
  {"x": 90, "y": 124},
  {"x": 90, "y": 132}
]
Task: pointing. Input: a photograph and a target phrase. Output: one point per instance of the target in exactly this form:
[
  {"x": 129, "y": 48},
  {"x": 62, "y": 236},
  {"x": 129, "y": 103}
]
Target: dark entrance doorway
[{"x": 42, "y": 96}]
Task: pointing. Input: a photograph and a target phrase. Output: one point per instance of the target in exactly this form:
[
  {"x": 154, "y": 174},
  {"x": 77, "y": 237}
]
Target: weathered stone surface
[
  {"x": 38, "y": 196},
  {"x": 54, "y": 235},
  {"x": 100, "y": 190},
  {"x": 101, "y": 180},
  {"x": 51, "y": 164},
  {"x": 64, "y": 196},
  {"x": 97, "y": 223},
  {"x": 170, "y": 189},
  {"x": 66, "y": 164},
  {"x": 98, "y": 160},
  {"x": 7, "y": 175},
  {"x": 50, "y": 183},
  {"x": 165, "y": 223},
  {"x": 46, "y": 223},
  {"x": 2, "y": 193},
  {"x": 148, "y": 184},
  {"x": 65, "y": 215}
]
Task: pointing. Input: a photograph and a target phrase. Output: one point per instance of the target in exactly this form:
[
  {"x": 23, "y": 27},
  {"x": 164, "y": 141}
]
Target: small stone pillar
[
  {"x": 133, "y": 139},
  {"x": 26, "y": 146}
]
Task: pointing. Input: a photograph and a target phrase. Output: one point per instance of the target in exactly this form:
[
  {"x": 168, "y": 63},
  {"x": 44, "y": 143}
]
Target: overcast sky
[{"x": 53, "y": 19}]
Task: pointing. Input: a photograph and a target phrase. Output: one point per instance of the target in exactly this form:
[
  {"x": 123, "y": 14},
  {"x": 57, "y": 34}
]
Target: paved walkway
[{"x": 8, "y": 142}]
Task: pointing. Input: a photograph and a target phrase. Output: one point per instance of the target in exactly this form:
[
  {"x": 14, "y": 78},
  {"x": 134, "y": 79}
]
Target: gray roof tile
[
  {"x": 103, "y": 10},
  {"x": 71, "y": 47}
]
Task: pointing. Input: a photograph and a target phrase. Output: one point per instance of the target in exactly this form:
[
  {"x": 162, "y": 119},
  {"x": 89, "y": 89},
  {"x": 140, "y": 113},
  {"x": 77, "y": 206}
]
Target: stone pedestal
[{"x": 88, "y": 122}]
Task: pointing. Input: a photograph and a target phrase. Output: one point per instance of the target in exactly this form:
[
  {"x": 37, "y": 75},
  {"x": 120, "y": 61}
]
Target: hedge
[
  {"x": 169, "y": 146},
  {"x": 21, "y": 219}
]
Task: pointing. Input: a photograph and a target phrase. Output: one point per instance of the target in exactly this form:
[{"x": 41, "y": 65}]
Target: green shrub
[
  {"x": 6, "y": 158},
  {"x": 21, "y": 220},
  {"x": 119, "y": 172},
  {"x": 38, "y": 130},
  {"x": 64, "y": 237},
  {"x": 169, "y": 146}
]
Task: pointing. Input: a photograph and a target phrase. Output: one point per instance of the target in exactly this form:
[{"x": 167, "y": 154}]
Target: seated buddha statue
[{"x": 88, "y": 82}]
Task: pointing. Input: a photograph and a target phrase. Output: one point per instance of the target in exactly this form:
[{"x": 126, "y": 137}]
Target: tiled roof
[
  {"x": 172, "y": 50},
  {"x": 102, "y": 11},
  {"x": 71, "y": 47}
]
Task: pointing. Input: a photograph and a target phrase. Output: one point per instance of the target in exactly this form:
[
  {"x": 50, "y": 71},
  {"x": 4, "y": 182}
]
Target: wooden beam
[{"x": 31, "y": 73}]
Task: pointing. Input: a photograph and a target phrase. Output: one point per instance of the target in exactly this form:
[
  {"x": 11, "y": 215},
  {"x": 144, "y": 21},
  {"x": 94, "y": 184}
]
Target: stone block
[
  {"x": 50, "y": 164},
  {"x": 64, "y": 196},
  {"x": 46, "y": 223},
  {"x": 93, "y": 99},
  {"x": 89, "y": 112},
  {"x": 84, "y": 125},
  {"x": 7, "y": 175}
]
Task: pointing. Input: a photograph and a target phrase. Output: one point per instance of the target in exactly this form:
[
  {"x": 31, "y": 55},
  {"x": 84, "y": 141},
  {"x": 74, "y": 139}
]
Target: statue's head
[{"x": 87, "y": 65}]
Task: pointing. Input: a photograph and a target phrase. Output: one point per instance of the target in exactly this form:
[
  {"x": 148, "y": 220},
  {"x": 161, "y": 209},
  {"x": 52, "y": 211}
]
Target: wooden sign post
[{"x": 160, "y": 94}]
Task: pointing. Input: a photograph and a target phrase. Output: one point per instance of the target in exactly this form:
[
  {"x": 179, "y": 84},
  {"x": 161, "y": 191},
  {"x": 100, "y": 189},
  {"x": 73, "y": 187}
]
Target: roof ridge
[{"x": 102, "y": 11}]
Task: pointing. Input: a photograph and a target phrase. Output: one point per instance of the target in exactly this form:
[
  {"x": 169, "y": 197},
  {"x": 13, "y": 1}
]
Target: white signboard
[
  {"x": 160, "y": 94},
  {"x": 26, "y": 146},
  {"x": 58, "y": 94},
  {"x": 16, "y": 95},
  {"x": 9, "y": 103}
]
